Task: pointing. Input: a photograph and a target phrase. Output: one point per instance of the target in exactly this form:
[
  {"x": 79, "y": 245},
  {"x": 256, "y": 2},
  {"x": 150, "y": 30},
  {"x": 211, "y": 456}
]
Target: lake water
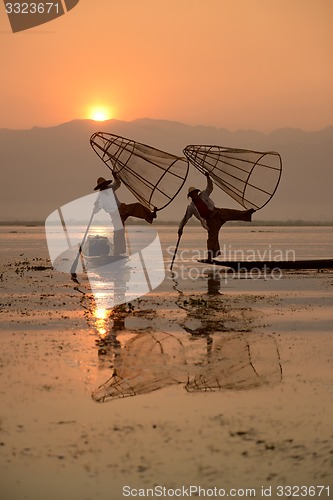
[
  {"x": 232, "y": 378},
  {"x": 23, "y": 243},
  {"x": 313, "y": 242}
]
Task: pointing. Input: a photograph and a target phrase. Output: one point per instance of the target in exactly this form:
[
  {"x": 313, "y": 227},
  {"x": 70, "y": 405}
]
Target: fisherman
[
  {"x": 119, "y": 213},
  {"x": 211, "y": 218}
]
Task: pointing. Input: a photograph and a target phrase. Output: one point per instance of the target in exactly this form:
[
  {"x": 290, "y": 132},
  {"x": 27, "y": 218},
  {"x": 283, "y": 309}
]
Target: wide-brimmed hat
[
  {"x": 102, "y": 183},
  {"x": 191, "y": 190}
]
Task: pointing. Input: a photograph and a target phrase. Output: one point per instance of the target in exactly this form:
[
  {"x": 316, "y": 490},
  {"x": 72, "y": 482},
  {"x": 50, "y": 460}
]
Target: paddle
[
  {"x": 174, "y": 254},
  {"x": 74, "y": 265}
]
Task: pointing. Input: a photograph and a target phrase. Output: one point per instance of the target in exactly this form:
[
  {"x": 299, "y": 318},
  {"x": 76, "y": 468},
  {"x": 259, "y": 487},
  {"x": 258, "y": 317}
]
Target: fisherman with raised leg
[
  {"x": 211, "y": 217},
  {"x": 119, "y": 213}
]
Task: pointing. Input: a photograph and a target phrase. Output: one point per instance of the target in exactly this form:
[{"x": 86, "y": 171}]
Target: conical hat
[
  {"x": 191, "y": 189},
  {"x": 102, "y": 183}
]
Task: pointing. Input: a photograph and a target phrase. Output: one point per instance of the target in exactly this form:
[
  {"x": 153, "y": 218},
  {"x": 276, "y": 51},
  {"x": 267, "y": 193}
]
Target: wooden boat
[
  {"x": 98, "y": 251},
  {"x": 246, "y": 265},
  {"x": 94, "y": 261}
]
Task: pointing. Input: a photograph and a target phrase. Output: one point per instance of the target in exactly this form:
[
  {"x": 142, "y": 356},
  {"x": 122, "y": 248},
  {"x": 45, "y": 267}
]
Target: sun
[{"x": 100, "y": 113}]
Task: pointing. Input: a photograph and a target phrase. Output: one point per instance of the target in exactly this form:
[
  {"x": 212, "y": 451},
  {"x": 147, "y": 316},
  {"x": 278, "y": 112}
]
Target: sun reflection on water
[{"x": 101, "y": 317}]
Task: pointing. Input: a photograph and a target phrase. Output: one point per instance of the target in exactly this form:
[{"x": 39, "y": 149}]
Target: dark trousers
[
  {"x": 219, "y": 217},
  {"x": 135, "y": 210},
  {"x": 131, "y": 210}
]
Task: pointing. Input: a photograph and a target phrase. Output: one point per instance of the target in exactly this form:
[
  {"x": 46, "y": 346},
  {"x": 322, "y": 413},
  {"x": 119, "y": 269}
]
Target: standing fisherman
[
  {"x": 211, "y": 218},
  {"x": 120, "y": 213}
]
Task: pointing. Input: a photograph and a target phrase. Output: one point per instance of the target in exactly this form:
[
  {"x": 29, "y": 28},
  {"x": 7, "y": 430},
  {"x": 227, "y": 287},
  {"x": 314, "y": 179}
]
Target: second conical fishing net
[{"x": 249, "y": 177}]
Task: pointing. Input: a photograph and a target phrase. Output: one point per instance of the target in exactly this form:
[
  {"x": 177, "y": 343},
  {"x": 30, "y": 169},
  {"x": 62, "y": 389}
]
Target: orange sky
[{"x": 259, "y": 64}]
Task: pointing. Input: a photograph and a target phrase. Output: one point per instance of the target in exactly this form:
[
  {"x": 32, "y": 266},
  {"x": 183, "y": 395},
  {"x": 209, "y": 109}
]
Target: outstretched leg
[
  {"x": 227, "y": 214},
  {"x": 136, "y": 210},
  {"x": 219, "y": 217}
]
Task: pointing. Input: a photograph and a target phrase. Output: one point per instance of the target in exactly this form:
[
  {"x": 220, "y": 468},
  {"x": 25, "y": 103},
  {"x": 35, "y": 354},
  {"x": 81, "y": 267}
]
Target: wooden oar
[
  {"x": 174, "y": 255},
  {"x": 74, "y": 265}
]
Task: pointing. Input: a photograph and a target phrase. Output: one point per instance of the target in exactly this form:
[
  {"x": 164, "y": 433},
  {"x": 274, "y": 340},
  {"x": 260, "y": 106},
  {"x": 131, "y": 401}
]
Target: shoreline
[{"x": 263, "y": 223}]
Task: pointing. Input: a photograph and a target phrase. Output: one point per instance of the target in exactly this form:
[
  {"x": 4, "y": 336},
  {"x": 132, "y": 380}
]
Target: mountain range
[{"x": 44, "y": 168}]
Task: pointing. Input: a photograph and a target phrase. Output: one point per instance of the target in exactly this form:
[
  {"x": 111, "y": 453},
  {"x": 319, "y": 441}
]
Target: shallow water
[
  {"x": 306, "y": 241},
  {"x": 194, "y": 302},
  {"x": 231, "y": 374},
  {"x": 264, "y": 242}
]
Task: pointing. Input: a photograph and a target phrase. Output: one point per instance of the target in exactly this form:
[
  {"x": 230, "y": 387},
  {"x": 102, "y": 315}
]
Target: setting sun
[{"x": 100, "y": 114}]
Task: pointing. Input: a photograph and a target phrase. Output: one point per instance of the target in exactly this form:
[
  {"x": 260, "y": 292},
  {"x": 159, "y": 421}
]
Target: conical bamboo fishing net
[
  {"x": 153, "y": 176},
  {"x": 249, "y": 177}
]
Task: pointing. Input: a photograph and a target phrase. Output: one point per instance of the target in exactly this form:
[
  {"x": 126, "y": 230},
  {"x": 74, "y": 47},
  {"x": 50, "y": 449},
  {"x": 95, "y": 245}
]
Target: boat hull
[{"x": 272, "y": 264}]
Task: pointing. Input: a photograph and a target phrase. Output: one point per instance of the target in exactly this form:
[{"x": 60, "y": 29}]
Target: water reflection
[
  {"x": 101, "y": 316},
  {"x": 151, "y": 361},
  {"x": 212, "y": 347},
  {"x": 213, "y": 282},
  {"x": 113, "y": 278}
]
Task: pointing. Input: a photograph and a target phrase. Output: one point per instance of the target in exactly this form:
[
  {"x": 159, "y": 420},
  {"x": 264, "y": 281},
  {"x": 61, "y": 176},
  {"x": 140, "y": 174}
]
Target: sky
[{"x": 237, "y": 64}]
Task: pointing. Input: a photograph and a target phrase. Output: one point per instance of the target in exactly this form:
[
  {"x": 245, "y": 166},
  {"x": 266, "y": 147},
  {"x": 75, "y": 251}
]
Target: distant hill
[{"x": 43, "y": 168}]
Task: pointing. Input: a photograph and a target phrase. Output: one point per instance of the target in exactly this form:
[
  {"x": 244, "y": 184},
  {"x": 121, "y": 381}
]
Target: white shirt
[
  {"x": 107, "y": 198},
  {"x": 192, "y": 209}
]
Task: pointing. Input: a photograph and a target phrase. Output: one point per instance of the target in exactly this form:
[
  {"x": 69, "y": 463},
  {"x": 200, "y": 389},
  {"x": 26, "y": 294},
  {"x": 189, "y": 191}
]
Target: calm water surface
[{"x": 313, "y": 242}]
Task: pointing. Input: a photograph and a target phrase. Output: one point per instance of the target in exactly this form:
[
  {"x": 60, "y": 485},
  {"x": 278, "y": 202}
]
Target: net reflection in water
[{"x": 221, "y": 361}]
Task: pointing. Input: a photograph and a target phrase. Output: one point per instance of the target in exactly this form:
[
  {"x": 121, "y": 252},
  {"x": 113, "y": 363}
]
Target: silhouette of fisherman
[
  {"x": 211, "y": 217},
  {"x": 119, "y": 213}
]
